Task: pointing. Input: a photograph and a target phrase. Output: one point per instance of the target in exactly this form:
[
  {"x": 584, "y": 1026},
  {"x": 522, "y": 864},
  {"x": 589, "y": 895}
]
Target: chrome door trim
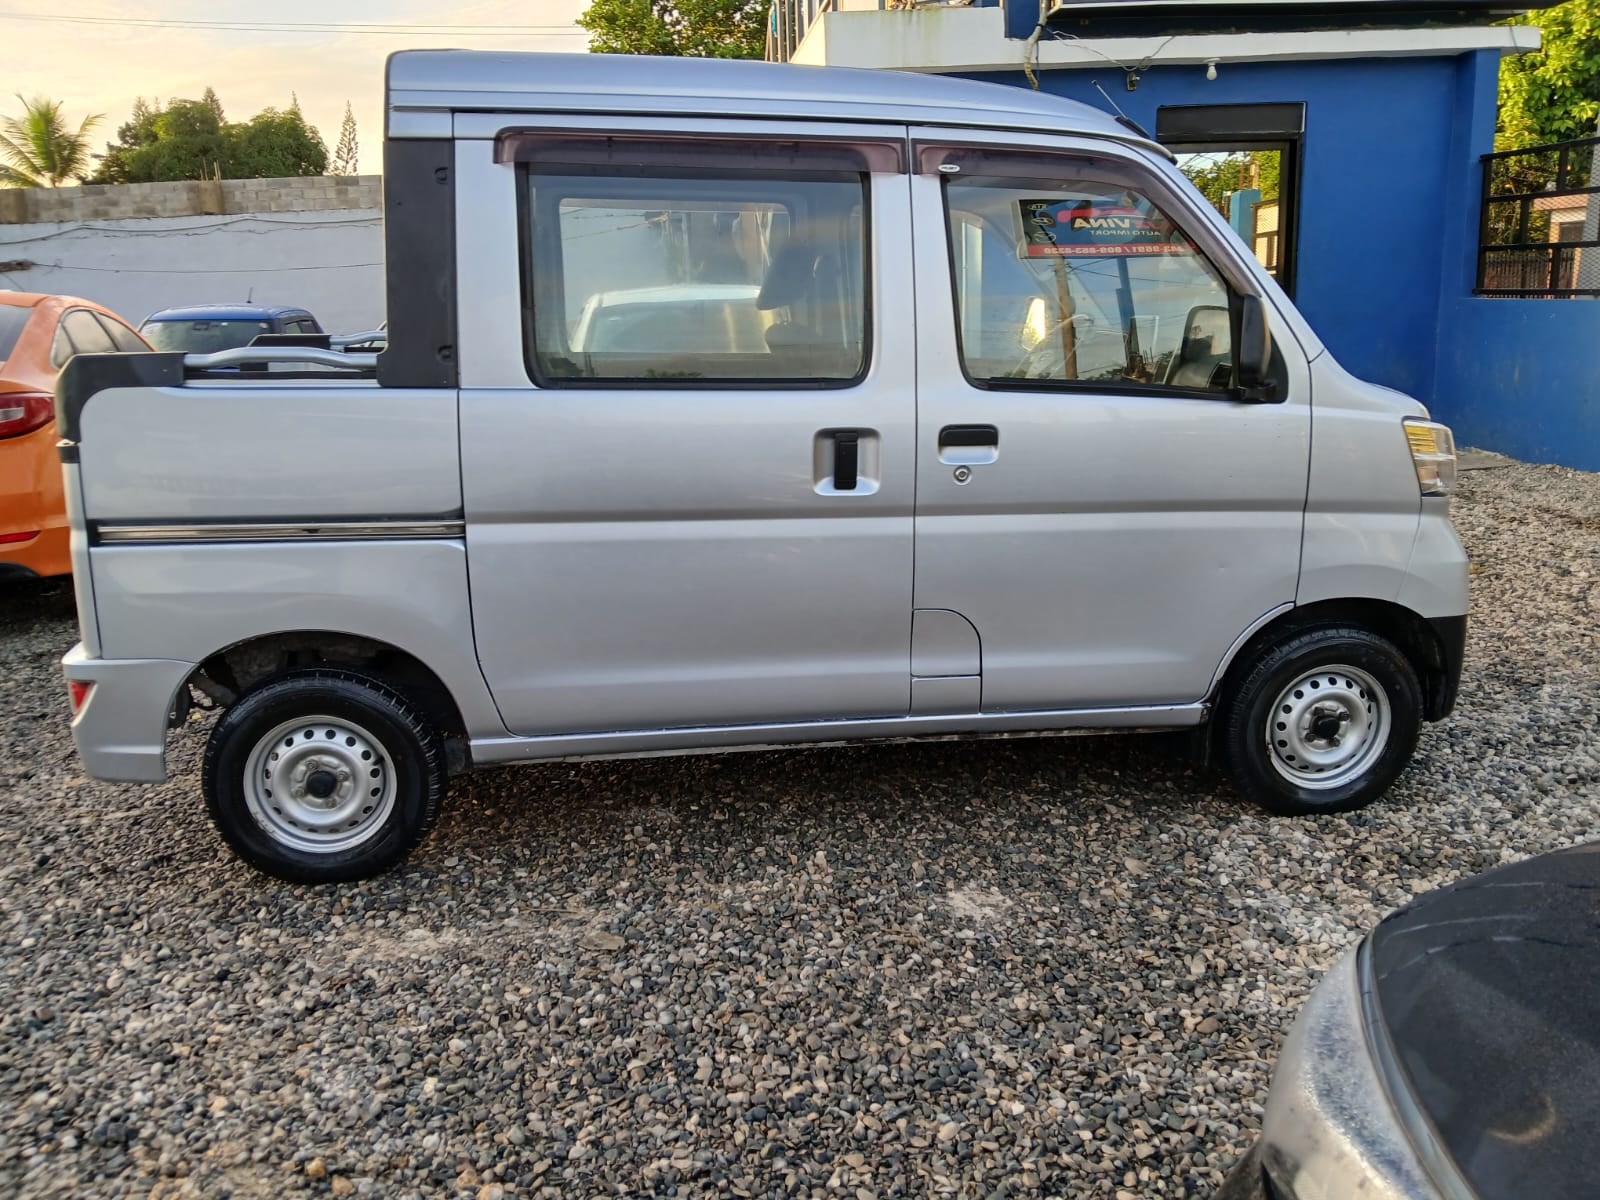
[
  {"x": 279, "y": 531},
  {"x": 714, "y": 738}
]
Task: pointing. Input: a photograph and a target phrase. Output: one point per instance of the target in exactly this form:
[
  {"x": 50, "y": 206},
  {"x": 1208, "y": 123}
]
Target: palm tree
[{"x": 38, "y": 150}]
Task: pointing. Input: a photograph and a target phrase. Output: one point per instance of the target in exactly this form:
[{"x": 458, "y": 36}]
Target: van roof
[{"x": 455, "y": 80}]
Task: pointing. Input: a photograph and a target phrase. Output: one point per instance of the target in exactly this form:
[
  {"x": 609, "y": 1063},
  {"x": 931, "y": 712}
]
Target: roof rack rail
[
  {"x": 242, "y": 355},
  {"x": 345, "y": 340}
]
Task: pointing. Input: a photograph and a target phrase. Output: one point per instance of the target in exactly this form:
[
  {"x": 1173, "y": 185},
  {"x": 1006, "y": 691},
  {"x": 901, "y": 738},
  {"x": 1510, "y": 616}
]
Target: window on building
[
  {"x": 1246, "y": 187},
  {"x": 1245, "y": 159}
]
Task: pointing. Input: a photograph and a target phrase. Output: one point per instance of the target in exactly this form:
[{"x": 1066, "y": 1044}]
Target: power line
[
  {"x": 398, "y": 29},
  {"x": 195, "y": 230},
  {"x": 199, "y": 270}
]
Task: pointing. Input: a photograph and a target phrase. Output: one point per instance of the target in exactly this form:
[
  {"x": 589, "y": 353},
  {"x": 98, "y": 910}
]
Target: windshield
[{"x": 202, "y": 337}]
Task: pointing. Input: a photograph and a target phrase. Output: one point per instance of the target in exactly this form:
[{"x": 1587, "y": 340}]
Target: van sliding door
[{"x": 687, "y": 452}]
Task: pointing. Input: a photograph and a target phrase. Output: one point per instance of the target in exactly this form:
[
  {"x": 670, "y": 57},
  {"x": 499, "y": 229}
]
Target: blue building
[{"x": 1376, "y": 116}]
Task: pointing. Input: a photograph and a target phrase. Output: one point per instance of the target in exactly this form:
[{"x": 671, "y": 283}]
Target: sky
[{"x": 101, "y": 64}]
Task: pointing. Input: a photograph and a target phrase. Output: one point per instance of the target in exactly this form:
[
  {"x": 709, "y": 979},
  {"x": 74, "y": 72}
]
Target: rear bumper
[
  {"x": 121, "y": 730},
  {"x": 47, "y": 554},
  {"x": 31, "y": 502}
]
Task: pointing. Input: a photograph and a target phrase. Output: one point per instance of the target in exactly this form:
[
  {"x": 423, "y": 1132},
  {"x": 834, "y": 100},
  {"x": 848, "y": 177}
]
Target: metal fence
[
  {"x": 787, "y": 23},
  {"x": 1539, "y": 232}
]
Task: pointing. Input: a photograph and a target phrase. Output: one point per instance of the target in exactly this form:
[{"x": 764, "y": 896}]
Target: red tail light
[
  {"x": 25, "y": 536},
  {"x": 23, "y": 412},
  {"x": 79, "y": 690}
]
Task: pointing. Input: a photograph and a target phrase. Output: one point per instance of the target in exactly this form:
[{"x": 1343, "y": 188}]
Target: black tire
[
  {"x": 387, "y": 736},
  {"x": 1388, "y": 721}
]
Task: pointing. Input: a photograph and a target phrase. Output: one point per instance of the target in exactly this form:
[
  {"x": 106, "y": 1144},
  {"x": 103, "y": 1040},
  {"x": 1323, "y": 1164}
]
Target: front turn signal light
[{"x": 1433, "y": 451}]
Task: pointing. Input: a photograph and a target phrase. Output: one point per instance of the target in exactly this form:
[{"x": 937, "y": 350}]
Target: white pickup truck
[{"x": 994, "y": 428}]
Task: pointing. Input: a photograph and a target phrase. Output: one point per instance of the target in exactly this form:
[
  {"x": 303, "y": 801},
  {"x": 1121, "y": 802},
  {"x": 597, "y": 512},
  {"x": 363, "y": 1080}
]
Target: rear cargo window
[
  {"x": 13, "y": 320},
  {"x": 124, "y": 338},
  {"x": 79, "y": 333},
  {"x": 88, "y": 335},
  {"x": 716, "y": 277}
]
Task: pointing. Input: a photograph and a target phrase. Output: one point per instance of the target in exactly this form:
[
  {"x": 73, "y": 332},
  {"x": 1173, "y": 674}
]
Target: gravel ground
[{"x": 1042, "y": 967}]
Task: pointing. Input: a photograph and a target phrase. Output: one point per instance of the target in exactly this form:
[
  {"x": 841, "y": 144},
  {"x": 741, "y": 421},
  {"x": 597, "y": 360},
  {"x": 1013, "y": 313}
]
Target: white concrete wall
[
  {"x": 957, "y": 38},
  {"x": 330, "y": 262}
]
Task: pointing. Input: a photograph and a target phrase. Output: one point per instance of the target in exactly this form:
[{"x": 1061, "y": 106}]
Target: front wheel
[
  {"x": 1322, "y": 722},
  {"x": 323, "y": 776}
]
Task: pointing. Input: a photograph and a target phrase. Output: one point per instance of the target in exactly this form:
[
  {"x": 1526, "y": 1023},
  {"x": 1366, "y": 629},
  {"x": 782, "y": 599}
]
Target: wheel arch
[
  {"x": 230, "y": 672},
  {"x": 1406, "y": 628}
]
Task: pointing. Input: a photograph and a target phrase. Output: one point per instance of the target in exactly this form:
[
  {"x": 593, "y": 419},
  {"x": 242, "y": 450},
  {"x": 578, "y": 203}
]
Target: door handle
[
  {"x": 969, "y": 445},
  {"x": 846, "y": 460}
]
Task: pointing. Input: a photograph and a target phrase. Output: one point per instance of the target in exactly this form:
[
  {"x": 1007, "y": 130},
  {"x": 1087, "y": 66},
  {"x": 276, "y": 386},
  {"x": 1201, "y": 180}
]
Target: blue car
[{"x": 204, "y": 328}]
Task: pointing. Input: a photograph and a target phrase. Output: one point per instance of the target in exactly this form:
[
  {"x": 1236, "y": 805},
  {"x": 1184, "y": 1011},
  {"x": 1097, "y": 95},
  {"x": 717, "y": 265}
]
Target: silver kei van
[{"x": 993, "y": 428}]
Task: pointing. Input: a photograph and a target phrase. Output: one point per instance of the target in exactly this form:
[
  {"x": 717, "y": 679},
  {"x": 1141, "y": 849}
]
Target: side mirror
[{"x": 1253, "y": 353}]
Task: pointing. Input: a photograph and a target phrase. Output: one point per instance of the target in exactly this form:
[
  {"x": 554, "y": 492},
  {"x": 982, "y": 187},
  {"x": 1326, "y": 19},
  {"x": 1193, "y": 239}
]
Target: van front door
[
  {"x": 1092, "y": 493},
  {"x": 687, "y": 456}
]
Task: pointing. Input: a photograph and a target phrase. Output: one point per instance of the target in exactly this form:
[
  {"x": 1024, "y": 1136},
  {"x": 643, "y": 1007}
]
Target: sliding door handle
[{"x": 846, "y": 460}]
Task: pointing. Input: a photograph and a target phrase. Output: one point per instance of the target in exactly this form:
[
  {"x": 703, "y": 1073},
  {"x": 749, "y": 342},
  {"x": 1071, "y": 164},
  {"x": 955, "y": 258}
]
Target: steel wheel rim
[
  {"x": 1328, "y": 727},
  {"x": 319, "y": 784}
]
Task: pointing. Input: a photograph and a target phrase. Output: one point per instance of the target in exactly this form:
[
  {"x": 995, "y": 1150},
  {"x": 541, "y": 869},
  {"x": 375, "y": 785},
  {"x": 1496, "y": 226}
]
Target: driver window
[{"x": 1083, "y": 283}]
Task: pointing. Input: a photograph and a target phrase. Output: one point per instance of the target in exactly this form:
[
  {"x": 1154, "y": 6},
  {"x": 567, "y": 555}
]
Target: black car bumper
[{"x": 1451, "y": 634}]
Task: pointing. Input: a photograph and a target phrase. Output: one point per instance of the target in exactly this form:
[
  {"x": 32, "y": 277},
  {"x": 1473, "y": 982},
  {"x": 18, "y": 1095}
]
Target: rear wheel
[
  {"x": 1322, "y": 722},
  {"x": 323, "y": 776}
]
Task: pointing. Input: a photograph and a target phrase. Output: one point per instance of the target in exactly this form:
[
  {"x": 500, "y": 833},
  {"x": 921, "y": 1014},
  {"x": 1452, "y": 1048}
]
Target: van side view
[{"x": 944, "y": 410}]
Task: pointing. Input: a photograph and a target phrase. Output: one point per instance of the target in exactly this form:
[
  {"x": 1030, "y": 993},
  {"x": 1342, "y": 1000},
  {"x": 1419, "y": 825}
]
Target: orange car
[{"x": 37, "y": 335}]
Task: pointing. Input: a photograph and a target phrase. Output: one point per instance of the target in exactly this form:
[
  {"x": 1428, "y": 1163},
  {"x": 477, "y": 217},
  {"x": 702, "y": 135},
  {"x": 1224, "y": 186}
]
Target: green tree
[
  {"x": 273, "y": 144},
  {"x": 347, "y": 157},
  {"x": 38, "y": 149},
  {"x": 188, "y": 140},
  {"x": 690, "y": 28},
  {"x": 1555, "y": 94},
  {"x": 184, "y": 140},
  {"x": 210, "y": 99},
  {"x": 138, "y": 130},
  {"x": 189, "y": 144}
]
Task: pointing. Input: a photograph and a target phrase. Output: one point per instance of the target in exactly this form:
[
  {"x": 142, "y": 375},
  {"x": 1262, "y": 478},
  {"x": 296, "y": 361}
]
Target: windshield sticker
[{"x": 1070, "y": 228}]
